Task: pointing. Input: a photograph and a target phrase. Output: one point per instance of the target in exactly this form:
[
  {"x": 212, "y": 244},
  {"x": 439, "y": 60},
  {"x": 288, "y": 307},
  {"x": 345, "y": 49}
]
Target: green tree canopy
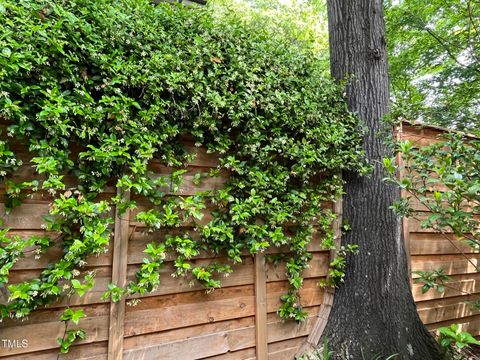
[{"x": 434, "y": 49}]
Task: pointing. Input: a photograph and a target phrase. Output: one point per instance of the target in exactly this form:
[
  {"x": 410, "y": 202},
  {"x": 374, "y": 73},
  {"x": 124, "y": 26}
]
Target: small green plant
[
  {"x": 455, "y": 342},
  {"x": 453, "y": 338},
  {"x": 432, "y": 280},
  {"x": 70, "y": 335},
  {"x": 324, "y": 353}
]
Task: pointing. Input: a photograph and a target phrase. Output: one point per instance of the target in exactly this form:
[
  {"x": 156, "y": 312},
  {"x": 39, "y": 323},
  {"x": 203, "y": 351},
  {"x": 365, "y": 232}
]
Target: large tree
[{"x": 373, "y": 312}]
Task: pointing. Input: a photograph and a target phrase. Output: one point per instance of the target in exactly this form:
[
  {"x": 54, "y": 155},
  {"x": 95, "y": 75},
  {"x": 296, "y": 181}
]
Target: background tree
[
  {"x": 373, "y": 313},
  {"x": 434, "y": 49},
  {"x": 300, "y": 20}
]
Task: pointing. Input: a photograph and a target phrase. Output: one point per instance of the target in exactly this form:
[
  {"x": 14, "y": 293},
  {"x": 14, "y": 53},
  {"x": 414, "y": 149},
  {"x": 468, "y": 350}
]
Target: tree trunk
[{"x": 373, "y": 313}]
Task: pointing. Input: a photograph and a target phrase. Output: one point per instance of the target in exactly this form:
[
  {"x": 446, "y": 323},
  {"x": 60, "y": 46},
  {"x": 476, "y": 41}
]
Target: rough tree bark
[{"x": 373, "y": 312}]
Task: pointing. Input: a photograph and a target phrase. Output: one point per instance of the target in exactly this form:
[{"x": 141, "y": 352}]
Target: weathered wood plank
[
  {"x": 228, "y": 341},
  {"x": 29, "y": 262},
  {"x": 193, "y": 348},
  {"x": 311, "y": 294},
  {"x": 95, "y": 351},
  {"x": 93, "y": 296},
  {"x": 470, "y": 324},
  {"x": 438, "y": 244},
  {"x": 176, "y": 334},
  {"x": 26, "y": 216},
  {"x": 457, "y": 286},
  {"x": 438, "y": 313},
  {"x": 42, "y": 336},
  {"x": 242, "y": 275},
  {"x": 260, "y": 308},
  {"x": 415, "y": 227},
  {"x": 285, "y": 350},
  {"x": 168, "y": 312},
  {"x": 119, "y": 278},
  {"x": 430, "y": 304},
  {"x": 246, "y": 354},
  {"x": 451, "y": 264}
]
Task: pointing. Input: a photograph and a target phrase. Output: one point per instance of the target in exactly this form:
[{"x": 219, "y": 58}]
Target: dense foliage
[
  {"x": 299, "y": 20},
  {"x": 434, "y": 58},
  {"x": 97, "y": 89}
]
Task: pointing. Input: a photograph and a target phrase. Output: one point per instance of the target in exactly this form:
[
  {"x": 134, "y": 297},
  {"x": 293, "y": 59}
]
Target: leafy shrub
[{"x": 454, "y": 340}]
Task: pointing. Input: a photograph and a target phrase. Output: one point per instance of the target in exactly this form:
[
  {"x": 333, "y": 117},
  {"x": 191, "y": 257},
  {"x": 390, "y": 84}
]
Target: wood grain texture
[
  {"x": 218, "y": 340},
  {"x": 261, "y": 344},
  {"x": 119, "y": 278}
]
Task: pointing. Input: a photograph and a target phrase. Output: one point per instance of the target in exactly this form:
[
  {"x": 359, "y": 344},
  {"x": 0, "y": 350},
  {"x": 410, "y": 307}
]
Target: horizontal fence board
[
  {"x": 438, "y": 244},
  {"x": 279, "y": 330},
  {"x": 95, "y": 351},
  {"x": 440, "y": 313},
  {"x": 242, "y": 275},
  {"x": 458, "y": 285},
  {"x": 193, "y": 348},
  {"x": 247, "y": 354},
  {"x": 419, "y": 206},
  {"x": 285, "y": 344},
  {"x": 55, "y": 253},
  {"x": 223, "y": 304},
  {"x": 43, "y": 336},
  {"x": 26, "y": 216},
  {"x": 430, "y": 304},
  {"x": 174, "y": 335},
  {"x": 231, "y": 340},
  {"x": 451, "y": 264},
  {"x": 470, "y": 324},
  {"x": 414, "y": 224},
  {"x": 310, "y": 294},
  {"x": 283, "y": 354}
]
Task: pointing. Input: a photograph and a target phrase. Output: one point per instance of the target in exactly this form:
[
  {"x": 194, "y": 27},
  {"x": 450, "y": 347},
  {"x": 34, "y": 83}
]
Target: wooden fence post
[
  {"x": 261, "y": 339},
  {"x": 119, "y": 277},
  {"x": 404, "y": 195}
]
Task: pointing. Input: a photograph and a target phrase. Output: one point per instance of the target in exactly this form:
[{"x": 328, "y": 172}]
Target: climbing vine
[{"x": 96, "y": 90}]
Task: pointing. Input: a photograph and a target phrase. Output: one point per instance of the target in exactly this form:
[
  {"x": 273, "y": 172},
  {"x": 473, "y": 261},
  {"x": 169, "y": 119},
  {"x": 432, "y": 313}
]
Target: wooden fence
[
  {"x": 429, "y": 250},
  {"x": 180, "y": 321}
]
